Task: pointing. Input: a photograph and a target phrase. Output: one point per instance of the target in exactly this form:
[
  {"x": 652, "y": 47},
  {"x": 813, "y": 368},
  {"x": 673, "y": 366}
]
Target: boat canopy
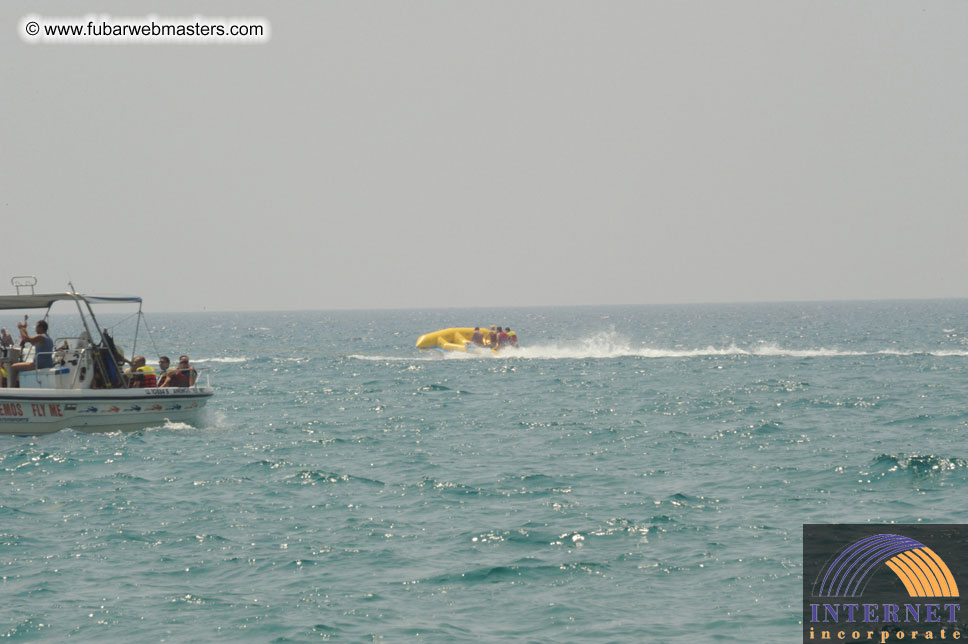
[{"x": 45, "y": 300}]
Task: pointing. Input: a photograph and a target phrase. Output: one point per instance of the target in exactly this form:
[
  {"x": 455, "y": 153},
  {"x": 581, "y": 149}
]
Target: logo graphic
[
  {"x": 919, "y": 568},
  {"x": 871, "y": 583}
]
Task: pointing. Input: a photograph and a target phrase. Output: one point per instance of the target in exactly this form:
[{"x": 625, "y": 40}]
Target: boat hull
[{"x": 44, "y": 411}]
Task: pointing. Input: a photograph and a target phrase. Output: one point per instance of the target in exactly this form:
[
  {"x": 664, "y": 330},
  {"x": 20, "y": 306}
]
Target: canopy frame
[{"x": 88, "y": 318}]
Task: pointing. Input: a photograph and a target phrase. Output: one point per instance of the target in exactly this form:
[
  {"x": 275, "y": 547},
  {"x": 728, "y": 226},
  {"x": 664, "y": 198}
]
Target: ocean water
[{"x": 630, "y": 475}]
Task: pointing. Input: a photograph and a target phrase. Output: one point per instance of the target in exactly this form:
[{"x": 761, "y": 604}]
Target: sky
[{"x": 431, "y": 153}]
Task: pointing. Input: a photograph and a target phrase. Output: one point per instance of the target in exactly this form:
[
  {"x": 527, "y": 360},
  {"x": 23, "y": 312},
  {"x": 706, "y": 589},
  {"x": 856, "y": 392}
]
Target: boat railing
[
  {"x": 71, "y": 342},
  {"x": 203, "y": 373},
  {"x": 71, "y": 364},
  {"x": 202, "y": 378},
  {"x": 69, "y": 346},
  {"x": 137, "y": 376},
  {"x": 134, "y": 379},
  {"x": 65, "y": 362},
  {"x": 62, "y": 348},
  {"x": 10, "y": 354}
]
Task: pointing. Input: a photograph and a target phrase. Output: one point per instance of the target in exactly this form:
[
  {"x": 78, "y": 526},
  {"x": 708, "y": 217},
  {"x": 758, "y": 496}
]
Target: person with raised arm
[{"x": 43, "y": 351}]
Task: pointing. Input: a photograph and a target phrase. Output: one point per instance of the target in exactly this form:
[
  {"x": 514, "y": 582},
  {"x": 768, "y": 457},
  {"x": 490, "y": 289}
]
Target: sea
[{"x": 630, "y": 474}]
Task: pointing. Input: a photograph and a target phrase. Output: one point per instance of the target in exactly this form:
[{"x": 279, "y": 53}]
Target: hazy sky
[{"x": 441, "y": 153}]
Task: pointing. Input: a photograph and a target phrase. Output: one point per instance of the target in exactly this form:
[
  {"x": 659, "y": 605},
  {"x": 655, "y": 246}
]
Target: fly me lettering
[{"x": 40, "y": 409}]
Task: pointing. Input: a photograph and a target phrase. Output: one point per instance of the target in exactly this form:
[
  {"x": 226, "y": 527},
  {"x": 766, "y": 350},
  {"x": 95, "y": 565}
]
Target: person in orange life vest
[
  {"x": 502, "y": 337},
  {"x": 141, "y": 375},
  {"x": 182, "y": 376},
  {"x": 492, "y": 338}
]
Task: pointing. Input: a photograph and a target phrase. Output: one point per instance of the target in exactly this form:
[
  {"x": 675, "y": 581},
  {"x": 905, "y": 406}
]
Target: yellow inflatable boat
[{"x": 458, "y": 339}]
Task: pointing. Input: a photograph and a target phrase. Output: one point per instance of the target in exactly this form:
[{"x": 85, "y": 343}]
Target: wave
[
  {"x": 920, "y": 464},
  {"x": 610, "y": 345},
  {"x": 422, "y": 357},
  {"x": 516, "y": 571},
  {"x": 230, "y": 360}
]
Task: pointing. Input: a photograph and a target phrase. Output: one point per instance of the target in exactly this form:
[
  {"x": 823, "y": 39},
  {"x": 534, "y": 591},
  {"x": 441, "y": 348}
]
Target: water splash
[
  {"x": 175, "y": 425},
  {"x": 610, "y": 345}
]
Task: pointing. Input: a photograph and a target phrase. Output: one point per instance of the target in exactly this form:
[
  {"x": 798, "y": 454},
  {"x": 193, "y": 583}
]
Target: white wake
[{"x": 610, "y": 345}]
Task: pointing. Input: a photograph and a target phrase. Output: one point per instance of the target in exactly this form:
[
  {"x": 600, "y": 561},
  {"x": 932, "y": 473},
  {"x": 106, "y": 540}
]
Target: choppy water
[{"x": 632, "y": 475}]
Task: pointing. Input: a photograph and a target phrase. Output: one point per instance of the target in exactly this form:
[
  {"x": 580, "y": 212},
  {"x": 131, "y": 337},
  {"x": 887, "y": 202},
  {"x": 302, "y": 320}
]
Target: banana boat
[{"x": 456, "y": 339}]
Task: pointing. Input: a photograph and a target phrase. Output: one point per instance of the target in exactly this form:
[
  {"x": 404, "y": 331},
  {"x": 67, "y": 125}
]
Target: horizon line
[{"x": 568, "y": 306}]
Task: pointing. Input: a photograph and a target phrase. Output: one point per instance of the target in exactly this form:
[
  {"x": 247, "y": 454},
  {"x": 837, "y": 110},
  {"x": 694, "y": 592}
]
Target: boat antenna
[
  {"x": 137, "y": 327},
  {"x": 144, "y": 320}
]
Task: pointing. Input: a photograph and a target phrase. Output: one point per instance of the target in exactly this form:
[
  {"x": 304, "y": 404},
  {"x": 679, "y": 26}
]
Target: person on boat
[
  {"x": 43, "y": 351},
  {"x": 492, "y": 338},
  {"x": 512, "y": 338},
  {"x": 182, "y": 376},
  {"x": 478, "y": 337},
  {"x": 5, "y": 343},
  {"x": 141, "y": 375},
  {"x": 164, "y": 366},
  {"x": 502, "y": 338}
]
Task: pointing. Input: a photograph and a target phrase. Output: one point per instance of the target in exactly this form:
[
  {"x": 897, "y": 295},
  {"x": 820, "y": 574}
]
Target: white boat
[{"x": 86, "y": 388}]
